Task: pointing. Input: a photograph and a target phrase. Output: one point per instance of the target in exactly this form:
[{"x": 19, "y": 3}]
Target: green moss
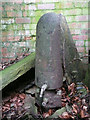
[
  {"x": 33, "y": 26},
  {"x": 16, "y": 70}
]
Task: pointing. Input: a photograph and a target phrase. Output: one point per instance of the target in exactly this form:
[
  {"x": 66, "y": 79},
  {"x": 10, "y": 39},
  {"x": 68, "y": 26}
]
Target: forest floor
[{"x": 20, "y": 104}]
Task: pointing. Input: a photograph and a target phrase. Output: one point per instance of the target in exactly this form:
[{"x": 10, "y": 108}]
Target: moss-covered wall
[{"x": 19, "y": 19}]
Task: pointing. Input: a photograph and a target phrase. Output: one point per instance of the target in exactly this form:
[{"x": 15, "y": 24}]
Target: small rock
[{"x": 58, "y": 112}]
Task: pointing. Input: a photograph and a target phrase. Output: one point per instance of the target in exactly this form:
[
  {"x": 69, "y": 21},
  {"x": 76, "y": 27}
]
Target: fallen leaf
[
  {"x": 65, "y": 115},
  {"x": 82, "y": 114},
  {"x": 85, "y": 108},
  {"x": 22, "y": 96},
  {"x": 45, "y": 115},
  {"x": 74, "y": 109},
  {"x": 71, "y": 87},
  {"x": 50, "y": 111}
]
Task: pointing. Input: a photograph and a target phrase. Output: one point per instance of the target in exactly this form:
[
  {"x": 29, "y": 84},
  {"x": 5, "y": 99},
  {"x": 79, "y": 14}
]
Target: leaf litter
[{"x": 75, "y": 104}]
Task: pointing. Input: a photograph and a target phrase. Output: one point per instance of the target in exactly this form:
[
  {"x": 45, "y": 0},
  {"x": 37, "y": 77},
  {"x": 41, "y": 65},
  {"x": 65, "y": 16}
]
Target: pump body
[
  {"x": 48, "y": 60},
  {"x": 48, "y": 67},
  {"x": 55, "y": 51}
]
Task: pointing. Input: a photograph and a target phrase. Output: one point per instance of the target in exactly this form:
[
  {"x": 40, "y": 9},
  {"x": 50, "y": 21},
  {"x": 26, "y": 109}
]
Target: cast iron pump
[
  {"x": 56, "y": 58},
  {"x": 48, "y": 66}
]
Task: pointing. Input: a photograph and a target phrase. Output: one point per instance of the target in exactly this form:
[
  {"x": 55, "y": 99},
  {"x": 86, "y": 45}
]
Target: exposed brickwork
[
  {"x": 22, "y": 20},
  {"x": 19, "y": 19},
  {"x": 45, "y": 6}
]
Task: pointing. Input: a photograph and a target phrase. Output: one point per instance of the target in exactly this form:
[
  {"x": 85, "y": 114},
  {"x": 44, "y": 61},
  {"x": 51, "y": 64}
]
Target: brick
[
  {"x": 80, "y": 43},
  {"x": 33, "y": 32},
  {"x": 85, "y": 11},
  {"x": 33, "y": 26},
  {"x": 26, "y": 7},
  {"x": 48, "y": 1},
  {"x": 8, "y": 7},
  {"x": 4, "y": 59},
  {"x": 7, "y": 21},
  {"x": 25, "y": 13},
  {"x": 86, "y": 43},
  {"x": 29, "y": 1},
  {"x": 18, "y": 14},
  {"x": 81, "y": 18},
  {"x": 10, "y": 38},
  {"x": 27, "y": 32},
  {"x": 81, "y": 49},
  {"x": 4, "y": 14},
  {"x": 87, "y": 49},
  {"x": 22, "y": 44},
  {"x": 16, "y": 38},
  {"x": 67, "y": 4},
  {"x": 82, "y": 4},
  {"x": 75, "y": 31},
  {"x": 22, "y": 20},
  {"x": 17, "y": 27},
  {"x": 46, "y": 6},
  {"x": 4, "y": 33},
  {"x": 16, "y": 1},
  {"x": 4, "y": 50},
  {"x": 9, "y": 27},
  {"x": 4, "y": 27},
  {"x": 80, "y": 37},
  {"x": 72, "y": 12},
  {"x": 62, "y": 5},
  {"x": 79, "y": 25},
  {"x": 11, "y": 54},
  {"x": 22, "y": 7},
  {"x": 27, "y": 38},
  {"x": 31, "y": 13},
  {"x": 37, "y": 1},
  {"x": 26, "y": 26},
  {"x": 14, "y": 14},
  {"x": 4, "y": 39},
  {"x": 20, "y": 33},
  {"x": 10, "y": 33},
  {"x": 32, "y": 7},
  {"x": 11, "y": 14},
  {"x": 1, "y": 8},
  {"x": 70, "y": 18},
  {"x": 58, "y": 11},
  {"x": 84, "y": 31}
]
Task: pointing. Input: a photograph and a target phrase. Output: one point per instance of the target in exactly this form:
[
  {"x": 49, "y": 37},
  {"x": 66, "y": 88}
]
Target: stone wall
[{"x": 19, "y": 19}]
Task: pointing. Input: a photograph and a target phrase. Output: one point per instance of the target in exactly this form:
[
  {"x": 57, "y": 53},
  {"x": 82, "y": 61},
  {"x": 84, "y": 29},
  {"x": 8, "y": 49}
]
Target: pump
[
  {"x": 56, "y": 56},
  {"x": 48, "y": 67}
]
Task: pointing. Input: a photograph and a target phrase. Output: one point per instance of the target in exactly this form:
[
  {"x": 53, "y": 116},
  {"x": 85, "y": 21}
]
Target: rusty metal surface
[{"x": 48, "y": 67}]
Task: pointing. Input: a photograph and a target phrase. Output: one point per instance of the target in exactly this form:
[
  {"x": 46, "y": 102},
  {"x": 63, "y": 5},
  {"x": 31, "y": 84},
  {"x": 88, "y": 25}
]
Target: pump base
[{"x": 50, "y": 99}]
